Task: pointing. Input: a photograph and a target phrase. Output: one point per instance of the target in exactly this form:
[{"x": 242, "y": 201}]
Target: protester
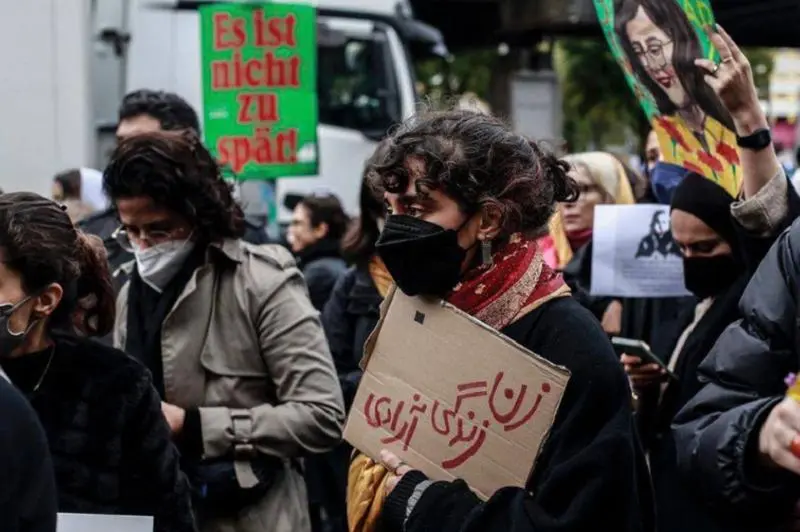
[
  {"x": 664, "y": 179},
  {"x": 81, "y": 191},
  {"x": 349, "y": 317},
  {"x": 27, "y": 492},
  {"x": 734, "y": 438},
  {"x": 147, "y": 111},
  {"x": 601, "y": 180},
  {"x": 719, "y": 258},
  {"x": 466, "y": 196},
  {"x": 228, "y": 331},
  {"x": 318, "y": 224},
  {"x": 110, "y": 445}
]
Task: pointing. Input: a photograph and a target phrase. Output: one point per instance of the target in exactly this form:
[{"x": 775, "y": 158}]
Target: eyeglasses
[
  {"x": 653, "y": 56},
  {"x": 126, "y": 238}
]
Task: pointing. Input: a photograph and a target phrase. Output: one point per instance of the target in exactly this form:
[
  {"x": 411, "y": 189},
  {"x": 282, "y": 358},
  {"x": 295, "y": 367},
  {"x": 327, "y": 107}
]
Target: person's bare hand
[
  {"x": 396, "y": 467},
  {"x": 175, "y": 417},
  {"x": 642, "y": 376},
  {"x": 732, "y": 78},
  {"x": 612, "y": 318},
  {"x": 775, "y": 439}
]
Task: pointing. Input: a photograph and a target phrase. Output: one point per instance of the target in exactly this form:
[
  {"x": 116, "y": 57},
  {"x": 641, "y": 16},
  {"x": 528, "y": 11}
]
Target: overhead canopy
[{"x": 478, "y": 23}]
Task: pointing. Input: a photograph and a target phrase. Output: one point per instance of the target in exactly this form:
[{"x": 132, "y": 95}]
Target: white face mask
[{"x": 158, "y": 264}]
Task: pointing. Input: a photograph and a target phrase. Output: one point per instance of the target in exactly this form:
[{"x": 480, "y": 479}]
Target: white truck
[{"x": 365, "y": 80}]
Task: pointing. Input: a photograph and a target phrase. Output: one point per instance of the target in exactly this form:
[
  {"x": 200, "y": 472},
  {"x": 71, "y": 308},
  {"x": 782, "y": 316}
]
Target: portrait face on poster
[
  {"x": 656, "y": 42},
  {"x": 661, "y": 44}
]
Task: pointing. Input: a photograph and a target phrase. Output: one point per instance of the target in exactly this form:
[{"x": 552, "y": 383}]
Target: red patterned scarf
[{"x": 517, "y": 282}]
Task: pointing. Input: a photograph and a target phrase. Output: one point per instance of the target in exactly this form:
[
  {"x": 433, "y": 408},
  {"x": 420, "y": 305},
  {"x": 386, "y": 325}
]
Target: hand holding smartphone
[{"x": 640, "y": 349}]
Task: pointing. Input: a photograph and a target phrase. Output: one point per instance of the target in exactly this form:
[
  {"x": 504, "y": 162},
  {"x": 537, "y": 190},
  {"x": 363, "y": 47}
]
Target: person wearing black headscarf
[{"x": 719, "y": 257}]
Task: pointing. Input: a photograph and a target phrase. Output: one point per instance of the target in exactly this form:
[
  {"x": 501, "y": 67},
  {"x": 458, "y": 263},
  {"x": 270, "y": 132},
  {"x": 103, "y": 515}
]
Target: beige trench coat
[{"x": 244, "y": 344}]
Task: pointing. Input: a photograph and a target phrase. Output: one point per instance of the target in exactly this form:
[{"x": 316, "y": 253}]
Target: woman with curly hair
[
  {"x": 110, "y": 446},
  {"x": 227, "y": 329},
  {"x": 467, "y": 198}
]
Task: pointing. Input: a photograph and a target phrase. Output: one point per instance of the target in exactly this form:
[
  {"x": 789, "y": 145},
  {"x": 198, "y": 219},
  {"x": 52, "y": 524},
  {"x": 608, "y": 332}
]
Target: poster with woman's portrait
[{"x": 656, "y": 42}]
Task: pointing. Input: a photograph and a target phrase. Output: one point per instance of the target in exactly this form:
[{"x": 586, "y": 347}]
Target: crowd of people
[{"x": 161, "y": 357}]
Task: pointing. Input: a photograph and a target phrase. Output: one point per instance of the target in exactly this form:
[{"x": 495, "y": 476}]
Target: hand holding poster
[
  {"x": 259, "y": 64},
  {"x": 452, "y": 397},
  {"x": 656, "y": 42}
]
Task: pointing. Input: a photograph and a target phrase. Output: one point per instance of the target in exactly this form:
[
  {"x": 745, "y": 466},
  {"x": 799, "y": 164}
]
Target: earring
[{"x": 486, "y": 252}]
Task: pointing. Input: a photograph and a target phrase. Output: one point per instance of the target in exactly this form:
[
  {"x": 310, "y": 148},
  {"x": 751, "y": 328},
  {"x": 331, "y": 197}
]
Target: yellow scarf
[{"x": 380, "y": 275}]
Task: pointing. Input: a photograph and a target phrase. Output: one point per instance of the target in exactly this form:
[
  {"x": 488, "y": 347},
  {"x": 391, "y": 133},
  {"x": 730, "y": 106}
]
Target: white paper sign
[
  {"x": 633, "y": 254},
  {"x": 103, "y": 523}
]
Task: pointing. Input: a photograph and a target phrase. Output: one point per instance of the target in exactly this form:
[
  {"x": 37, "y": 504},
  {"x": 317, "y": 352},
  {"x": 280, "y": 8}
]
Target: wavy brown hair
[
  {"x": 177, "y": 172},
  {"x": 39, "y": 242}
]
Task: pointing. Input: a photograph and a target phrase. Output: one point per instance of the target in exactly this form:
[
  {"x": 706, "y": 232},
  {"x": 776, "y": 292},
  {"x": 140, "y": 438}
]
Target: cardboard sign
[
  {"x": 634, "y": 255},
  {"x": 103, "y": 523},
  {"x": 658, "y": 62},
  {"x": 259, "y": 64},
  {"x": 452, "y": 397}
]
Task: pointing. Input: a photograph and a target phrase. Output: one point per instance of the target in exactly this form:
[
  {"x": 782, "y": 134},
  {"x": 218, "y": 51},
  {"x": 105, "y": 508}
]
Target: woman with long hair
[
  {"x": 109, "y": 441},
  {"x": 467, "y": 198},
  {"x": 694, "y": 128},
  {"x": 662, "y": 46}
]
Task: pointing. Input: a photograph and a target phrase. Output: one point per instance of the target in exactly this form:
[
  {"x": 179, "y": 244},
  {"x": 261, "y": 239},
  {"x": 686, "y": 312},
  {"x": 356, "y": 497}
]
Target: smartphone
[{"x": 638, "y": 348}]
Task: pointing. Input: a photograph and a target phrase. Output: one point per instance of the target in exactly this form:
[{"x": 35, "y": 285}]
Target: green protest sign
[
  {"x": 656, "y": 43},
  {"x": 259, "y": 64}
]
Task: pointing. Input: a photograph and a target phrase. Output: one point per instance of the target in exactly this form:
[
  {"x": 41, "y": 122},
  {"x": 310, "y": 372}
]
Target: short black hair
[
  {"x": 176, "y": 171},
  {"x": 171, "y": 111},
  {"x": 326, "y": 209}
]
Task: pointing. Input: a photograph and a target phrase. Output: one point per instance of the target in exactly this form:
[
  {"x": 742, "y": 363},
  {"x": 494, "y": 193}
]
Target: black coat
[
  {"x": 322, "y": 265},
  {"x": 348, "y": 319},
  {"x": 111, "y": 447},
  {"x": 350, "y": 315},
  {"x": 716, "y": 433},
  {"x": 591, "y": 474},
  {"x": 27, "y": 486}
]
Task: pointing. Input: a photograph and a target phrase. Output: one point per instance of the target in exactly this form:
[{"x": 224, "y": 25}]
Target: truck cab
[{"x": 365, "y": 83}]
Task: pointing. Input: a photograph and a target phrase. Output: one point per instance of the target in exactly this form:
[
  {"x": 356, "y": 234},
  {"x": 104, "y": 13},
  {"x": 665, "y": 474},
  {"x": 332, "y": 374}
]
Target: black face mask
[
  {"x": 422, "y": 257},
  {"x": 10, "y": 340},
  {"x": 710, "y": 276}
]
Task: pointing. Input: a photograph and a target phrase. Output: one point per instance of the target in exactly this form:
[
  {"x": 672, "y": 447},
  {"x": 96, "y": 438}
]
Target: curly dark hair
[
  {"x": 177, "y": 172},
  {"x": 39, "y": 242},
  {"x": 478, "y": 161},
  {"x": 171, "y": 111},
  {"x": 327, "y": 209}
]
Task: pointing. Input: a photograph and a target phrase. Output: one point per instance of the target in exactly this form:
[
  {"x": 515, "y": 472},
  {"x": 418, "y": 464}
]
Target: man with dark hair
[
  {"x": 27, "y": 489},
  {"x": 315, "y": 234},
  {"x": 147, "y": 111}
]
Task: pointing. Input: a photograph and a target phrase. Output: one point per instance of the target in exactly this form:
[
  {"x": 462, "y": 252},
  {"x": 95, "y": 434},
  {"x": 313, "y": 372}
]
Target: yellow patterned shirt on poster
[{"x": 720, "y": 162}]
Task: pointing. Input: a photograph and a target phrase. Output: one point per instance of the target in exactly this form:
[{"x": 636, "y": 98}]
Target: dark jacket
[
  {"x": 27, "y": 489},
  {"x": 348, "y": 319},
  {"x": 104, "y": 223},
  {"x": 321, "y": 264},
  {"x": 110, "y": 444},
  {"x": 717, "y": 432},
  {"x": 591, "y": 473},
  {"x": 350, "y": 315}
]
